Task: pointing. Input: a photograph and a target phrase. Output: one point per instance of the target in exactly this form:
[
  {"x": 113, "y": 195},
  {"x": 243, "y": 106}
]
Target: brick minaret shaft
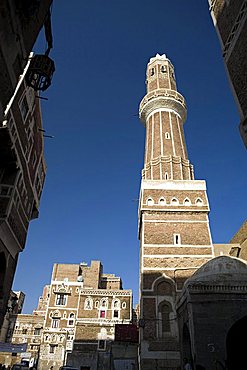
[
  {"x": 174, "y": 231},
  {"x": 163, "y": 111}
]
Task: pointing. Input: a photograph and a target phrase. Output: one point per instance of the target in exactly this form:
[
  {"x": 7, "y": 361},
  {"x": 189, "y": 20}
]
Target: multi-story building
[
  {"x": 22, "y": 175},
  {"x": 26, "y": 329},
  {"x": 83, "y": 307},
  {"x": 230, "y": 20},
  {"x": 15, "y": 305},
  {"x": 22, "y": 167},
  {"x": 75, "y": 322}
]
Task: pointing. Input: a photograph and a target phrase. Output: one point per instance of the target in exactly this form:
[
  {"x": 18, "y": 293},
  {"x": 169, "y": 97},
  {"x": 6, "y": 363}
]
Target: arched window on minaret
[
  {"x": 187, "y": 202},
  {"x": 152, "y": 72},
  {"x": 164, "y": 311},
  {"x": 199, "y": 202},
  {"x": 174, "y": 201},
  {"x": 163, "y": 69},
  {"x": 162, "y": 201},
  {"x": 167, "y": 135},
  {"x": 166, "y": 176},
  {"x": 150, "y": 201}
]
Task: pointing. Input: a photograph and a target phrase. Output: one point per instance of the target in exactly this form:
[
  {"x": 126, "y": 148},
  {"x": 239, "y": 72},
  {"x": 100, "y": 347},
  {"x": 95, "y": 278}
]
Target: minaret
[{"x": 174, "y": 232}]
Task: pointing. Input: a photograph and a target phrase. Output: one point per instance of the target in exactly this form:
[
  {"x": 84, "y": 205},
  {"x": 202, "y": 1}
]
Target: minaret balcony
[{"x": 162, "y": 99}]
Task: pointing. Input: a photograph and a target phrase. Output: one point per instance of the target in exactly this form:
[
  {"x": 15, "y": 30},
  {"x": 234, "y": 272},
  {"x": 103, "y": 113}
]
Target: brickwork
[
  {"x": 174, "y": 228},
  {"x": 82, "y": 309}
]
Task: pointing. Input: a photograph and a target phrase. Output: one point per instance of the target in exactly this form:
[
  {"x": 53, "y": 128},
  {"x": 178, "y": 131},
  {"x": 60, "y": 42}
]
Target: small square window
[
  {"x": 102, "y": 314},
  {"x": 52, "y": 348},
  {"x": 101, "y": 345}
]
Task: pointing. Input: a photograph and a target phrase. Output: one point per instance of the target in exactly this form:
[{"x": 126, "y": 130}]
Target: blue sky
[{"x": 89, "y": 204}]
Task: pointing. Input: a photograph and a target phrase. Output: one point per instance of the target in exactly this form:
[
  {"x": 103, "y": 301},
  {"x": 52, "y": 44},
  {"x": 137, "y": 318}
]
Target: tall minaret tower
[{"x": 174, "y": 232}]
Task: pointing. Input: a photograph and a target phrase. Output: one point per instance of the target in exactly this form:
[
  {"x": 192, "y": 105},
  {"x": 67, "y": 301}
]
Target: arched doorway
[
  {"x": 2, "y": 272},
  {"x": 236, "y": 345}
]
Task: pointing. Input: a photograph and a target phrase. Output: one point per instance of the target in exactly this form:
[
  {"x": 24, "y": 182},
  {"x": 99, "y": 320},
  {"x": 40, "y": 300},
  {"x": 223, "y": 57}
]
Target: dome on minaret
[{"x": 159, "y": 57}]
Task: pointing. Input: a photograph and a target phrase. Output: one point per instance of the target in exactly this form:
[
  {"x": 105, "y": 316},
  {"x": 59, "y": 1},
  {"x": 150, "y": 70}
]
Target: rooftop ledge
[{"x": 174, "y": 184}]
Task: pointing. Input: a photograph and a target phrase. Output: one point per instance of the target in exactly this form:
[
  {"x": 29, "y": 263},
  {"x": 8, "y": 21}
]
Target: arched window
[
  {"x": 174, "y": 201},
  {"x": 167, "y": 135},
  {"x": 116, "y": 303},
  {"x": 162, "y": 201},
  {"x": 96, "y": 305},
  {"x": 199, "y": 202},
  {"x": 103, "y": 308},
  {"x": 187, "y": 202},
  {"x": 163, "y": 287},
  {"x": 166, "y": 176},
  {"x": 47, "y": 338},
  {"x": 150, "y": 201},
  {"x": 104, "y": 303},
  {"x": 152, "y": 72},
  {"x": 164, "y": 318},
  {"x": 55, "y": 314},
  {"x": 71, "y": 320},
  {"x": 88, "y": 305},
  {"x": 163, "y": 69},
  {"x": 116, "y": 309}
]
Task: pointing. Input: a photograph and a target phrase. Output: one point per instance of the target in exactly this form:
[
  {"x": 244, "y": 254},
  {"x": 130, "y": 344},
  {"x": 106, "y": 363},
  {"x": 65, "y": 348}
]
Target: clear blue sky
[{"x": 88, "y": 208}]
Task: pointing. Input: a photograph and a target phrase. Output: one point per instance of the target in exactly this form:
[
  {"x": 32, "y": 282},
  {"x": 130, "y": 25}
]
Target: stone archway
[{"x": 236, "y": 345}]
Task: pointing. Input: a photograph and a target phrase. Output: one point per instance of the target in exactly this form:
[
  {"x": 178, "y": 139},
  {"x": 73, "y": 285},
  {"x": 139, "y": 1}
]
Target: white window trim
[
  {"x": 90, "y": 306},
  {"x": 66, "y": 299},
  {"x": 102, "y": 349}
]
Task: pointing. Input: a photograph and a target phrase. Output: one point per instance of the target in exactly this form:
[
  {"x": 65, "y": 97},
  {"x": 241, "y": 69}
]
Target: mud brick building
[
  {"x": 230, "y": 20},
  {"x": 15, "y": 305},
  {"x": 193, "y": 292},
  {"x": 26, "y": 329},
  {"x": 22, "y": 167},
  {"x": 82, "y": 307},
  {"x": 22, "y": 175}
]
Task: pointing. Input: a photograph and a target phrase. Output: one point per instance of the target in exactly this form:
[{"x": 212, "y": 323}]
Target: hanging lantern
[{"x": 40, "y": 72}]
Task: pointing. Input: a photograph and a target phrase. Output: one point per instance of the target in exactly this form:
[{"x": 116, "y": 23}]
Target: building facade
[
  {"x": 22, "y": 166},
  {"x": 74, "y": 322},
  {"x": 230, "y": 20},
  {"x": 22, "y": 175},
  {"x": 83, "y": 307}
]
